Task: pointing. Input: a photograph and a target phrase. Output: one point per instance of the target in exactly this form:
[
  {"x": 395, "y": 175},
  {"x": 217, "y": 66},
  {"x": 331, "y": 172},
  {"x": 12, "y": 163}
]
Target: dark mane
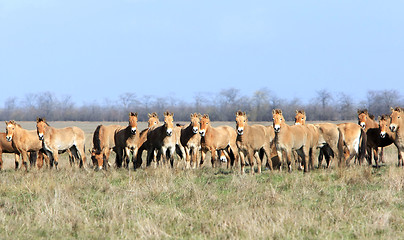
[{"x": 96, "y": 139}]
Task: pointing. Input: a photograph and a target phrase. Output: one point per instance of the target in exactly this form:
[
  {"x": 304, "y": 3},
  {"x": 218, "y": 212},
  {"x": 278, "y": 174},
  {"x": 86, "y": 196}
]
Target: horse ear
[
  {"x": 297, "y": 111},
  {"x": 273, "y": 111},
  {"x": 172, "y": 114},
  {"x": 391, "y": 109},
  {"x": 359, "y": 111},
  {"x": 149, "y": 115}
]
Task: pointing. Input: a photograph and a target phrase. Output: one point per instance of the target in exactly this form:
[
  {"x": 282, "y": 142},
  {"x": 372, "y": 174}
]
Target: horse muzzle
[
  {"x": 40, "y": 136},
  {"x": 195, "y": 130},
  {"x": 202, "y": 132},
  {"x": 393, "y": 127},
  {"x": 240, "y": 131},
  {"x": 133, "y": 130},
  {"x": 382, "y": 134},
  {"x": 169, "y": 132},
  {"x": 277, "y": 128},
  {"x": 9, "y": 138},
  {"x": 363, "y": 125}
]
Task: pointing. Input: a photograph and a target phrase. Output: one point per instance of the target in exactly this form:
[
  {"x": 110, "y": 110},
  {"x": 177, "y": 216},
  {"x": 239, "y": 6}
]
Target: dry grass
[{"x": 355, "y": 203}]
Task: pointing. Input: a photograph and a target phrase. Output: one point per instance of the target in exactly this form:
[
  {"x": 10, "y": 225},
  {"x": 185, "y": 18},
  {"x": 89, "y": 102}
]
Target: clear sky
[{"x": 96, "y": 49}]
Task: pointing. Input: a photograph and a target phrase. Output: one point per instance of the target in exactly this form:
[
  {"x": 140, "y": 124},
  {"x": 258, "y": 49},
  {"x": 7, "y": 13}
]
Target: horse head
[
  {"x": 168, "y": 123},
  {"x": 133, "y": 122},
  {"x": 204, "y": 124},
  {"x": 41, "y": 127},
  {"x": 10, "y": 127},
  {"x": 153, "y": 120},
  {"x": 383, "y": 125},
  {"x": 395, "y": 118},
  {"x": 195, "y": 122},
  {"x": 363, "y": 116},
  {"x": 278, "y": 119},
  {"x": 241, "y": 121},
  {"x": 300, "y": 117}
]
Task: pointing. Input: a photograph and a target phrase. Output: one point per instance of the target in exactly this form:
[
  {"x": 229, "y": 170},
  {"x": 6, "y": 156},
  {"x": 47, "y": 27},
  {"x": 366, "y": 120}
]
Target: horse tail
[
  {"x": 97, "y": 138},
  {"x": 341, "y": 145},
  {"x": 362, "y": 146}
]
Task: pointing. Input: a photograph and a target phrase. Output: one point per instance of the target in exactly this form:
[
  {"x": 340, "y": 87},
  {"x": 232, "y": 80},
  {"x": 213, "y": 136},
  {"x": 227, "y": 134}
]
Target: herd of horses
[{"x": 278, "y": 145}]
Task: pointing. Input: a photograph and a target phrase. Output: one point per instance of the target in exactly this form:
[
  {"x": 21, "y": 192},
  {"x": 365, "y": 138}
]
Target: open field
[{"x": 359, "y": 202}]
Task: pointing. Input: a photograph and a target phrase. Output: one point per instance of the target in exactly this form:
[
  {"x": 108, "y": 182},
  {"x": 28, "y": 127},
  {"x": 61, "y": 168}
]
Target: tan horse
[
  {"x": 352, "y": 143},
  {"x": 61, "y": 139},
  {"x": 23, "y": 141},
  {"x": 291, "y": 138},
  {"x": 367, "y": 122},
  {"x": 7, "y": 147},
  {"x": 250, "y": 140},
  {"x": 328, "y": 137},
  {"x": 164, "y": 139},
  {"x": 127, "y": 142},
  {"x": 103, "y": 144},
  {"x": 191, "y": 141},
  {"x": 397, "y": 127},
  {"x": 217, "y": 138},
  {"x": 143, "y": 144}
]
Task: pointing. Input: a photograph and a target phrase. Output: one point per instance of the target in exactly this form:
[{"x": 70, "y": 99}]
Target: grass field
[{"x": 359, "y": 202}]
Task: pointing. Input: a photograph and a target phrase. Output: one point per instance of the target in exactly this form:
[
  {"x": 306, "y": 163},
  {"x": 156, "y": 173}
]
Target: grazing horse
[
  {"x": 61, "y": 139},
  {"x": 103, "y": 143},
  {"x": 7, "y": 147},
  {"x": 191, "y": 140},
  {"x": 127, "y": 142},
  {"x": 328, "y": 136},
  {"x": 23, "y": 141},
  {"x": 143, "y": 144},
  {"x": 250, "y": 141},
  {"x": 217, "y": 138},
  {"x": 368, "y": 122},
  {"x": 165, "y": 139},
  {"x": 397, "y": 127},
  {"x": 353, "y": 142},
  {"x": 291, "y": 138}
]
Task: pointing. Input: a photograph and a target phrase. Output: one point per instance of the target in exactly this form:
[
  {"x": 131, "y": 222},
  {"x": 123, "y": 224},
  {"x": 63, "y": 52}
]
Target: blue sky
[{"x": 94, "y": 50}]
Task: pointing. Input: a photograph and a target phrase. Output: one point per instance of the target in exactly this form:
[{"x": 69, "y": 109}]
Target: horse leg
[
  {"x": 289, "y": 159},
  {"x": 56, "y": 158},
  {"x": 375, "y": 156},
  {"x": 187, "y": 158},
  {"x": 213, "y": 157},
  {"x": 1, "y": 159},
  {"x": 251, "y": 160},
  {"x": 126, "y": 157},
  {"x": 17, "y": 160},
  {"x": 24, "y": 156},
  {"x": 267, "y": 151},
  {"x": 134, "y": 158},
  {"x": 381, "y": 158},
  {"x": 259, "y": 163}
]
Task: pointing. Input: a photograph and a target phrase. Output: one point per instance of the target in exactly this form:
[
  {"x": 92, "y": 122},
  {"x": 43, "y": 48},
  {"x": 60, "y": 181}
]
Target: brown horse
[
  {"x": 353, "y": 142},
  {"x": 143, "y": 144},
  {"x": 103, "y": 143},
  {"x": 191, "y": 140},
  {"x": 23, "y": 141},
  {"x": 367, "y": 122},
  {"x": 165, "y": 140},
  {"x": 328, "y": 136},
  {"x": 250, "y": 140},
  {"x": 291, "y": 138},
  {"x": 397, "y": 127},
  {"x": 127, "y": 142},
  {"x": 378, "y": 138},
  {"x": 7, "y": 147},
  {"x": 217, "y": 138},
  {"x": 61, "y": 139}
]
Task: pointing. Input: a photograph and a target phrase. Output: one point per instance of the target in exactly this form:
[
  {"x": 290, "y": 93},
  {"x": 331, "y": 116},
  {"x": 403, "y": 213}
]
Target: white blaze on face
[{"x": 202, "y": 132}]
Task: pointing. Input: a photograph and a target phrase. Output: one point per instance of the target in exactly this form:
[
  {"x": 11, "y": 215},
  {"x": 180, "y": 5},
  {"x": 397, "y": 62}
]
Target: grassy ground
[{"x": 359, "y": 202}]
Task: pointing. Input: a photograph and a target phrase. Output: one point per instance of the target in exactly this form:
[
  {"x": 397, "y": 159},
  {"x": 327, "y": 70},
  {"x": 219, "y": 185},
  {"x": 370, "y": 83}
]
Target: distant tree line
[{"x": 220, "y": 106}]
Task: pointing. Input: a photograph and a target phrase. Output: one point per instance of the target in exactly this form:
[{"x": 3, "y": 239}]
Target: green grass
[{"x": 355, "y": 203}]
